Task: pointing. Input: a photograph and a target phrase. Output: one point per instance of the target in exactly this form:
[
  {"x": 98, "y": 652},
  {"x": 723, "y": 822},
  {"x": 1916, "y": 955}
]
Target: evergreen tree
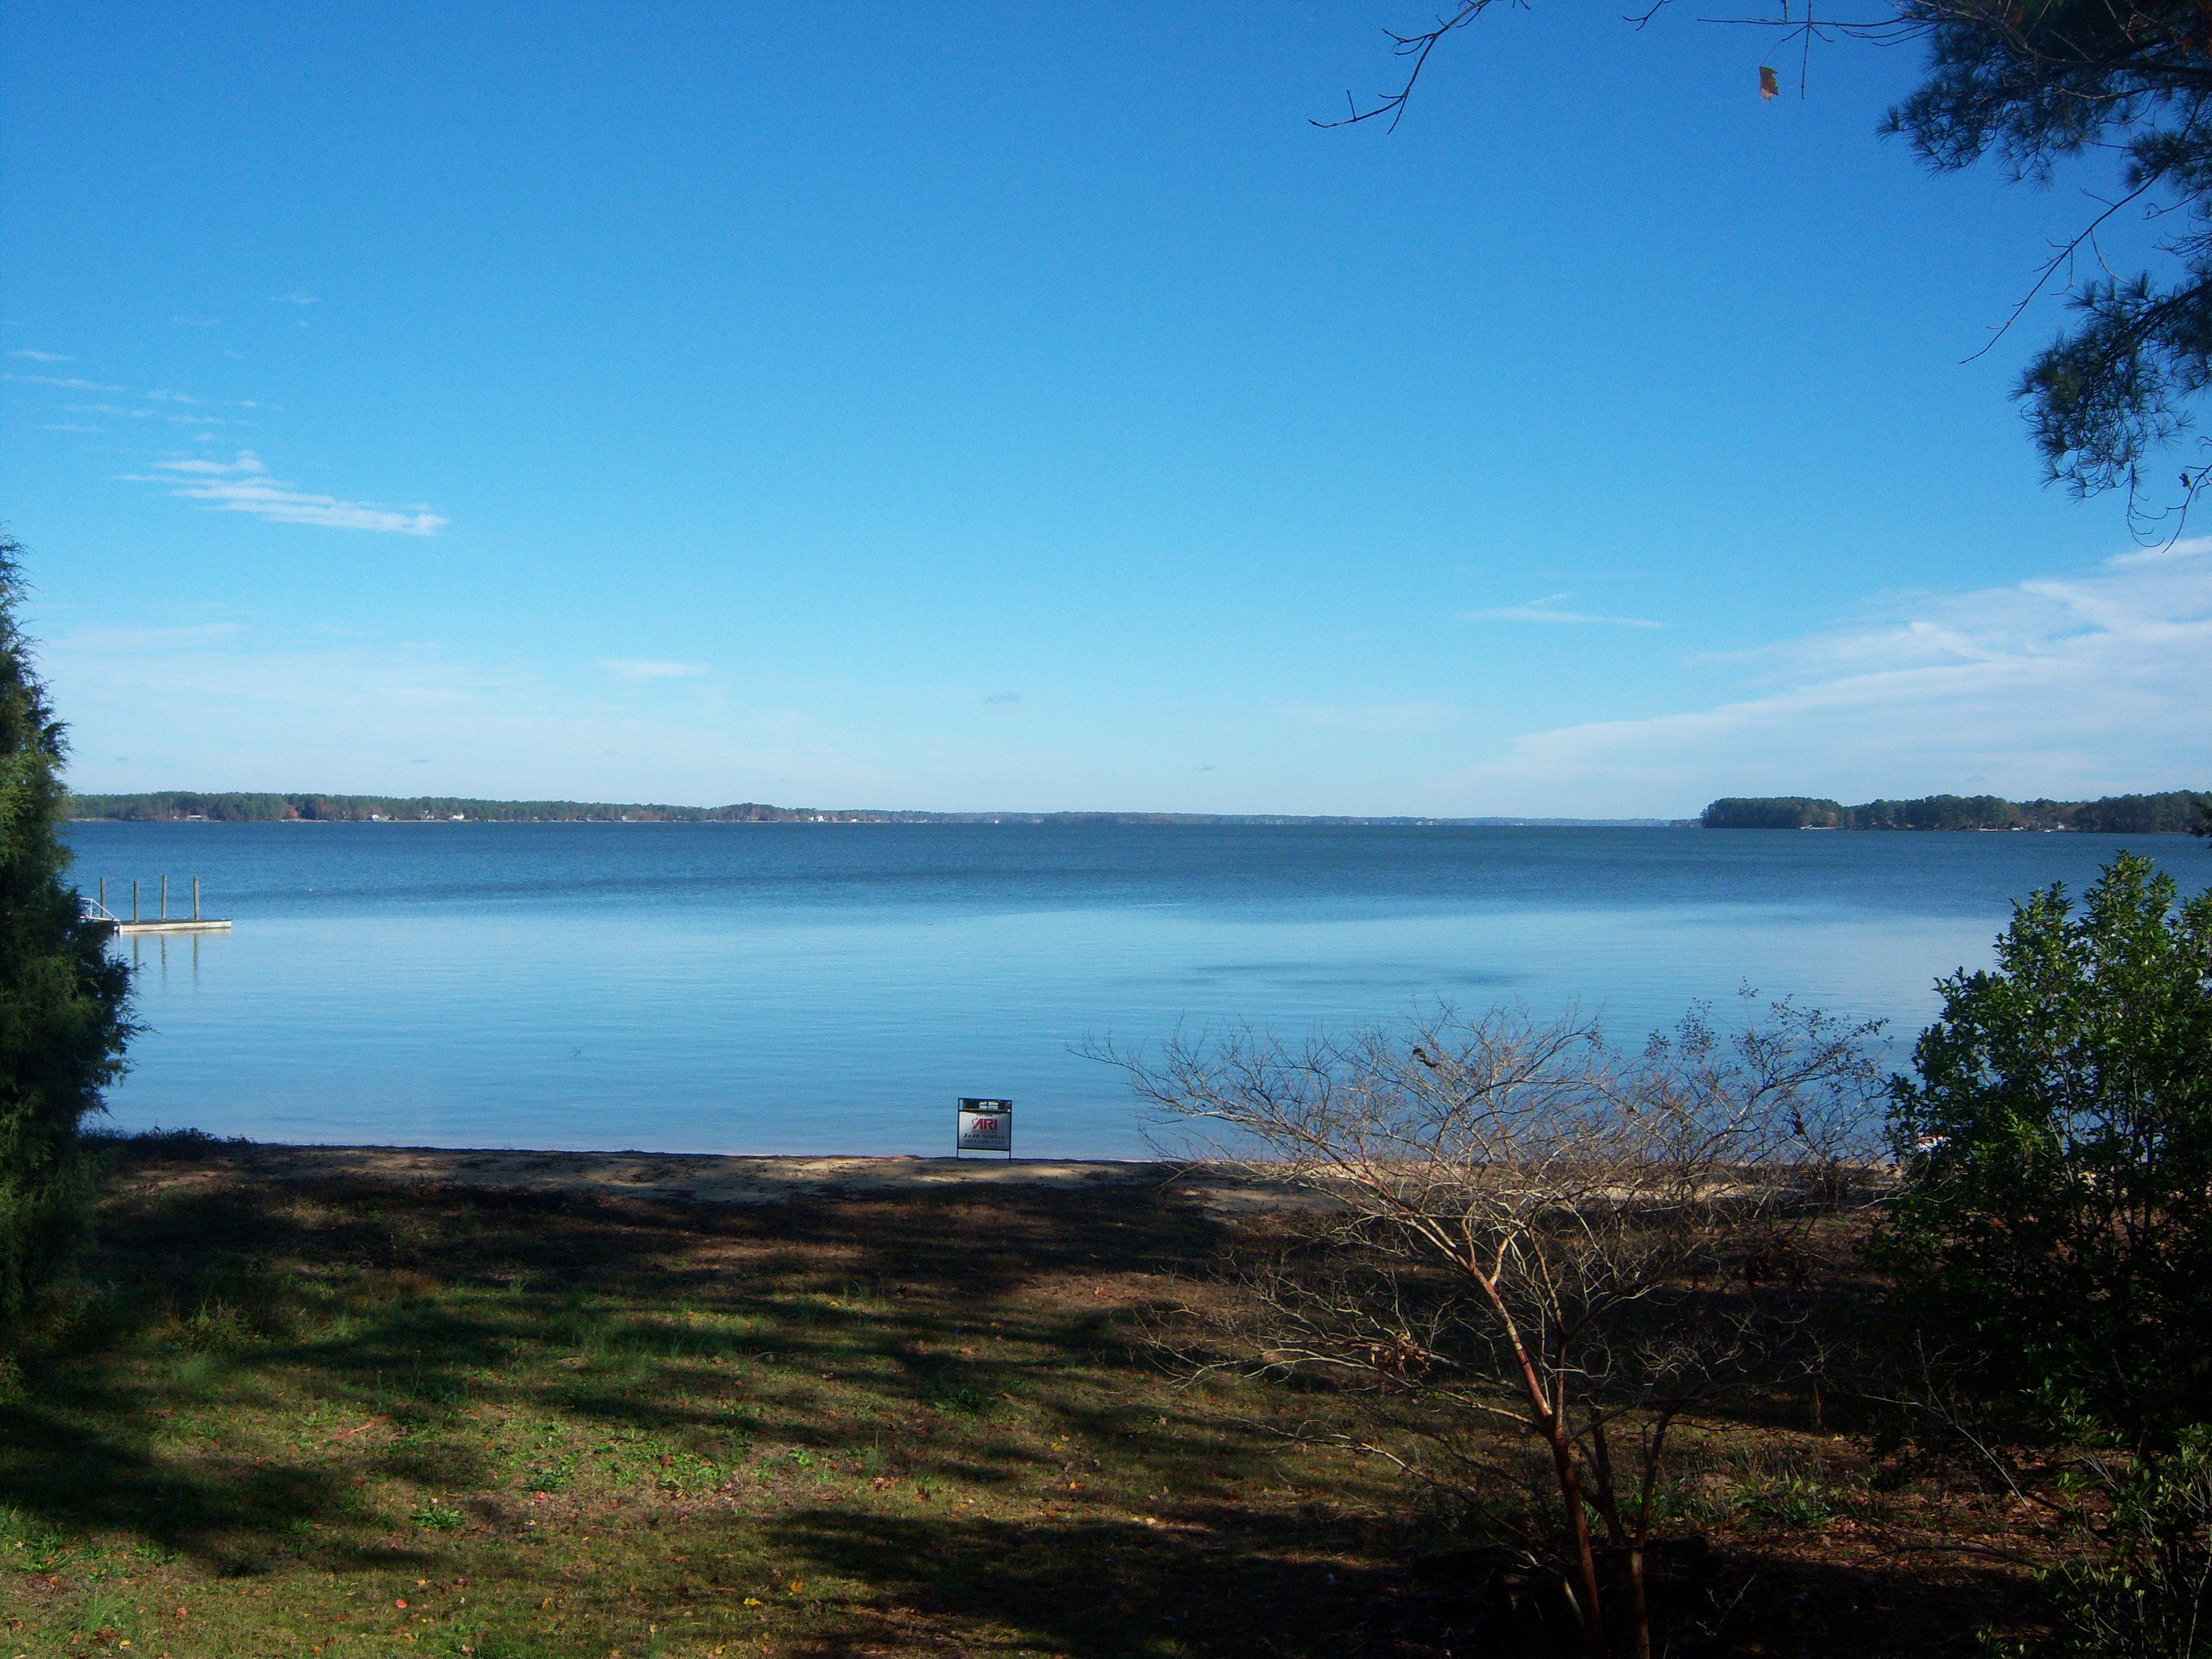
[
  {"x": 2034, "y": 85},
  {"x": 63, "y": 1001}
]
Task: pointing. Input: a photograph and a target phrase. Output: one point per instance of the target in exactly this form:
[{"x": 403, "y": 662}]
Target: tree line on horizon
[
  {"x": 248, "y": 806},
  {"x": 2173, "y": 811},
  {"x": 244, "y": 806}
]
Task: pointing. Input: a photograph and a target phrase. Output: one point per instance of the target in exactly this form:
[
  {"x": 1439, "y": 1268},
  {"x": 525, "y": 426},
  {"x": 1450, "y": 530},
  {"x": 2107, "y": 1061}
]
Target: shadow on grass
[
  {"x": 1105, "y": 1588},
  {"x": 216, "y": 1300}
]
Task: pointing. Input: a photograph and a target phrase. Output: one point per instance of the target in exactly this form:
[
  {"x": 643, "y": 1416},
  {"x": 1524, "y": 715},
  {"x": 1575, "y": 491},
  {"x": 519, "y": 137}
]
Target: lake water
[{"x": 833, "y": 988}]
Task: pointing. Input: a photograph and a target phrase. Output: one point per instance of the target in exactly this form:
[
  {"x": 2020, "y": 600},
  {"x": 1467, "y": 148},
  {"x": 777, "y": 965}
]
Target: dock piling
[
  {"x": 134, "y": 899},
  {"x": 196, "y": 901},
  {"x": 165, "y": 898}
]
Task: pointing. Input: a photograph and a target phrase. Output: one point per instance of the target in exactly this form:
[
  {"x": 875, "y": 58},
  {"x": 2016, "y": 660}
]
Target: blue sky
[{"x": 1003, "y": 406}]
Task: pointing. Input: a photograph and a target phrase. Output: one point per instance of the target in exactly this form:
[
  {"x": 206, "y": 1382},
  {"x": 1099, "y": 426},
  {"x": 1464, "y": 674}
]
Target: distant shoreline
[
  {"x": 186, "y": 806},
  {"x": 2171, "y": 813}
]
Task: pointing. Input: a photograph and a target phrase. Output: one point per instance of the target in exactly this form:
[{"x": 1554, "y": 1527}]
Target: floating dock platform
[{"x": 97, "y": 910}]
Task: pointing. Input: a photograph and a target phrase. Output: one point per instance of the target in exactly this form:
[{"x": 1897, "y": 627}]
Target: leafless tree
[{"x": 1515, "y": 1226}]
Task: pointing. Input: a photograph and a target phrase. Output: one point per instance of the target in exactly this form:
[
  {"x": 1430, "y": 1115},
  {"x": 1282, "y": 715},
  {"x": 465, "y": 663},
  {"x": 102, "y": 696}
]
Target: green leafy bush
[
  {"x": 2151, "y": 1597},
  {"x": 2056, "y": 1146},
  {"x": 2053, "y": 1235}
]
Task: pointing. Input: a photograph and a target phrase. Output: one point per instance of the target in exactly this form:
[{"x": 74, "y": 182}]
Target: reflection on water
[
  {"x": 834, "y": 989},
  {"x": 160, "y": 961}
]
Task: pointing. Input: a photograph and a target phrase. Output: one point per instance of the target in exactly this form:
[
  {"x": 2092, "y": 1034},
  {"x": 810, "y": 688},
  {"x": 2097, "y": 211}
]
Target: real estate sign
[{"x": 985, "y": 1126}]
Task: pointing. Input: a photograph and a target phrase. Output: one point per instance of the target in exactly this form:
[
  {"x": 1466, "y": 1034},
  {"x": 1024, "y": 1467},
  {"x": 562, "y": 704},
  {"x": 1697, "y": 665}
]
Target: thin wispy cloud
[
  {"x": 2088, "y": 683},
  {"x": 42, "y": 357},
  {"x": 167, "y": 396},
  {"x": 49, "y": 380},
  {"x": 67, "y": 426},
  {"x": 627, "y": 668},
  {"x": 2174, "y": 550},
  {"x": 198, "y": 322},
  {"x": 242, "y": 485},
  {"x": 298, "y": 298},
  {"x": 1547, "y": 611}
]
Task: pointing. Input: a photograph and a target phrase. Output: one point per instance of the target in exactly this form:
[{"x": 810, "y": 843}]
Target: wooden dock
[{"x": 161, "y": 922}]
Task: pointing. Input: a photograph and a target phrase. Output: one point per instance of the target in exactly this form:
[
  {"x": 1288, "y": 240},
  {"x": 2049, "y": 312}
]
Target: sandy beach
[{"x": 715, "y": 1179}]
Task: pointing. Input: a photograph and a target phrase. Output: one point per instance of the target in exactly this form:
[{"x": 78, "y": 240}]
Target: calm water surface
[{"x": 832, "y": 988}]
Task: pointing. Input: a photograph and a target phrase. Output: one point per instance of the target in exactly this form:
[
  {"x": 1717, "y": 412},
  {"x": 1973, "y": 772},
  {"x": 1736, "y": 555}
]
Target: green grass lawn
[{"x": 333, "y": 1418}]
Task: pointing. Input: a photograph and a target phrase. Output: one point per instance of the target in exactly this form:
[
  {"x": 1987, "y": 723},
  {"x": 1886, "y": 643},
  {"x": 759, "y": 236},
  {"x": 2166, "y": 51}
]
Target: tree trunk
[
  {"x": 1571, "y": 1489},
  {"x": 1629, "y": 1543},
  {"x": 1639, "y": 1609},
  {"x": 1639, "y": 1604}
]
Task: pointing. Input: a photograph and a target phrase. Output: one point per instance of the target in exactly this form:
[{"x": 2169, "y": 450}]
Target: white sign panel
[{"x": 987, "y": 1125}]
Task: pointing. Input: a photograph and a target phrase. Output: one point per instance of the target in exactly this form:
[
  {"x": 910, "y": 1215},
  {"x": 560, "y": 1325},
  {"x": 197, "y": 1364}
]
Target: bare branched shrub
[{"x": 1525, "y": 1228}]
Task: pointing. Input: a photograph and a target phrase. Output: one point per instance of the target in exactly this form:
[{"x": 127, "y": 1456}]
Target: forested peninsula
[{"x": 2172, "y": 812}]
